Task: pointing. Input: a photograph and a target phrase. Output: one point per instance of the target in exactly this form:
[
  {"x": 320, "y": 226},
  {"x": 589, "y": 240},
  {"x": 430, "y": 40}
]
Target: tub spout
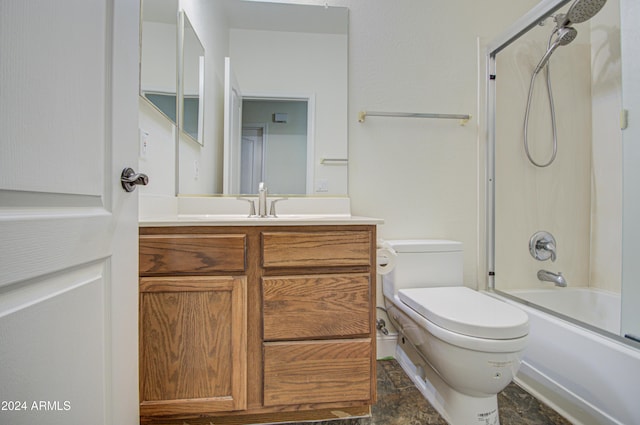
[{"x": 556, "y": 278}]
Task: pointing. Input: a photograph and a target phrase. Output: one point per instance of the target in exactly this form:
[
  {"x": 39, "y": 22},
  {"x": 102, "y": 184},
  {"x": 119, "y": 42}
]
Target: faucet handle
[
  {"x": 549, "y": 246},
  {"x": 252, "y": 205},
  {"x": 272, "y": 209},
  {"x": 542, "y": 246}
]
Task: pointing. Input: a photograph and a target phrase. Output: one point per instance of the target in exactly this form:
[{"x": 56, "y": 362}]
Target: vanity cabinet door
[{"x": 193, "y": 345}]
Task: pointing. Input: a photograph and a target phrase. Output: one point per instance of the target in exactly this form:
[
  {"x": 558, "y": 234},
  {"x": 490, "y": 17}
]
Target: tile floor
[{"x": 400, "y": 403}]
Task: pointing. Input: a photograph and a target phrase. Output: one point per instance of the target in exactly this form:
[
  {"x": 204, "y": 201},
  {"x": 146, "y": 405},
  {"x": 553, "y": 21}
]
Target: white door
[
  {"x": 252, "y": 159},
  {"x": 232, "y": 130},
  {"x": 68, "y": 251}
]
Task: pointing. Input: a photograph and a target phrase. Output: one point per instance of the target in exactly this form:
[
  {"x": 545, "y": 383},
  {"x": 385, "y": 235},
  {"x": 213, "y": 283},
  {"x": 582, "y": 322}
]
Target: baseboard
[{"x": 386, "y": 345}]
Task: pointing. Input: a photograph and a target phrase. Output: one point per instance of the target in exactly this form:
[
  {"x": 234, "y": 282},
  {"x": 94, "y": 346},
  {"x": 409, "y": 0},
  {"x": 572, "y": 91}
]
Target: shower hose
[{"x": 553, "y": 116}]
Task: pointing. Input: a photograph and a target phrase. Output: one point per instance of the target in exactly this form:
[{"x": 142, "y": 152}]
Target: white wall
[
  {"x": 423, "y": 177},
  {"x": 158, "y": 162}
]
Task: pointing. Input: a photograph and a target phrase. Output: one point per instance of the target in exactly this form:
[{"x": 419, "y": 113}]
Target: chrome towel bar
[
  {"x": 334, "y": 161},
  {"x": 463, "y": 118}
]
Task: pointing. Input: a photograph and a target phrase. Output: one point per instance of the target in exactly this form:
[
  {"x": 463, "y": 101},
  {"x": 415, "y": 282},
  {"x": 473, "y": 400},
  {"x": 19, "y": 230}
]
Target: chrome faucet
[
  {"x": 542, "y": 246},
  {"x": 556, "y": 278},
  {"x": 262, "y": 200}
]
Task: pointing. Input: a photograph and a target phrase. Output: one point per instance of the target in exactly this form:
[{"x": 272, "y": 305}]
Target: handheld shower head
[
  {"x": 582, "y": 10},
  {"x": 565, "y": 35},
  {"x": 579, "y": 11}
]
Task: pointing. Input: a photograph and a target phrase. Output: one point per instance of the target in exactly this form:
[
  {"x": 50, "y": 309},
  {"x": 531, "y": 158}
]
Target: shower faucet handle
[
  {"x": 542, "y": 246},
  {"x": 547, "y": 246}
]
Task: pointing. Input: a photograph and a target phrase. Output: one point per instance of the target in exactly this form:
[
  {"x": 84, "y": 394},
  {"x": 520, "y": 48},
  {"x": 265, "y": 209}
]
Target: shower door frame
[{"x": 519, "y": 27}]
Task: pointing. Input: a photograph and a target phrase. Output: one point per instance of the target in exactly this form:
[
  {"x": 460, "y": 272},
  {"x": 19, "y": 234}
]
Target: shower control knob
[{"x": 542, "y": 246}]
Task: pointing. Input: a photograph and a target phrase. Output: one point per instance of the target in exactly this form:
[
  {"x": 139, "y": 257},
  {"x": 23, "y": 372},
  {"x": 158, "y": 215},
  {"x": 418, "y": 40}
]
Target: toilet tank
[{"x": 422, "y": 263}]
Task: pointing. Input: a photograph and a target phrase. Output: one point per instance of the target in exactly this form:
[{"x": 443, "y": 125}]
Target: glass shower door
[{"x": 630, "y": 34}]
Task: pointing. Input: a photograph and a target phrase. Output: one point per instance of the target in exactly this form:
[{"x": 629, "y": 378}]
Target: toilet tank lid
[{"x": 425, "y": 245}]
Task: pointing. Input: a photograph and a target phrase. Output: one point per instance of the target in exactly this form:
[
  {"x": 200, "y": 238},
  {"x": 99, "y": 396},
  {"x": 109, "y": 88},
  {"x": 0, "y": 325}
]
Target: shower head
[
  {"x": 565, "y": 35},
  {"x": 582, "y": 10}
]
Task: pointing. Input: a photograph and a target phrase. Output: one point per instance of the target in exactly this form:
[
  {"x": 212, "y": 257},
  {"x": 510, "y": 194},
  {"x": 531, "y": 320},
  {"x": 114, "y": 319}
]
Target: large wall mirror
[
  {"x": 290, "y": 66},
  {"x": 172, "y": 66},
  {"x": 286, "y": 58},
  {"x": 192, "y": 72},
  {"x": 286, "y": 64},
  {"x": 158, "y": 53}
]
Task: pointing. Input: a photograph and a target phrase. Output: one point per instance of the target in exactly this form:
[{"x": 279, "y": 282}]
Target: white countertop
[
  {"x": 229, "y": 211},
  {"x": 243, "y": 220}
]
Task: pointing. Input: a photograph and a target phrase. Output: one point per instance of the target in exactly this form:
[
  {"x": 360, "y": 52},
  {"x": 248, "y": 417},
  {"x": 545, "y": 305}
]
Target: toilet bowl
[{"x": 459, "y": 346}]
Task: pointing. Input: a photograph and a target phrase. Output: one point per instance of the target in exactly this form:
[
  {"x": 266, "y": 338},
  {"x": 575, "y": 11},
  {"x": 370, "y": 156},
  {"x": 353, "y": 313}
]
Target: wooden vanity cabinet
[
  {"x": 192, "y": 324},
  {"x": 306, "y": 298},
  {"x": 317, "y": 327}
]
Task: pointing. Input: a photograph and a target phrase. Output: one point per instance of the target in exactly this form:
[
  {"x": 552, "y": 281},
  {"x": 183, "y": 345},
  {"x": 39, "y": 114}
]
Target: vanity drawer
[
  {"x": 316, "y": 306},
  {"x": 191, "y": 254},
  {"x": 317, "y": 372},
  {"x": 316, "y": 249}
]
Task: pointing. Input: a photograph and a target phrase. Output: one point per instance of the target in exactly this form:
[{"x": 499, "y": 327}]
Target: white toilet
[{"x": 459, "y": 346}]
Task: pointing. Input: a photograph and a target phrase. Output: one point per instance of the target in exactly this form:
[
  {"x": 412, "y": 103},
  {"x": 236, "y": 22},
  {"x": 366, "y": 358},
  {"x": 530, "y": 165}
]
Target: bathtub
[
  {"x": 586, "y": 376},
  {"x": 597, "y": 308}
]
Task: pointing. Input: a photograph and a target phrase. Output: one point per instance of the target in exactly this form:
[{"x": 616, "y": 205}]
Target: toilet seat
[{"x": 465, "y": 311}]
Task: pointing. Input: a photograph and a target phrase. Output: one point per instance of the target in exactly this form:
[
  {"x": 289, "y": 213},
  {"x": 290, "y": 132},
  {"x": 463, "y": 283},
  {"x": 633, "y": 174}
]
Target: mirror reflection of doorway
[
  {"x": 274, "y": 151},
  {"x": 252, "y": 158}
]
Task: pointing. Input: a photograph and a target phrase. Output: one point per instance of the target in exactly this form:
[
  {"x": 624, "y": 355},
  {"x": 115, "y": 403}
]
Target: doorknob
[{"x": 130, "y": 179}]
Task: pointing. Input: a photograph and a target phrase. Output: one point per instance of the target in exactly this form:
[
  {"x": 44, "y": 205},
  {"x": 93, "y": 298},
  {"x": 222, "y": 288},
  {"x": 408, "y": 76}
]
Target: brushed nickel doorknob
[{"x": 130, "y": 179}]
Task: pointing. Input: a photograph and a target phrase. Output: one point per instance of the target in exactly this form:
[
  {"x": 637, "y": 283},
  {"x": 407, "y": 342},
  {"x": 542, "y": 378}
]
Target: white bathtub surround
[{"x": 585, "y": 376}]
